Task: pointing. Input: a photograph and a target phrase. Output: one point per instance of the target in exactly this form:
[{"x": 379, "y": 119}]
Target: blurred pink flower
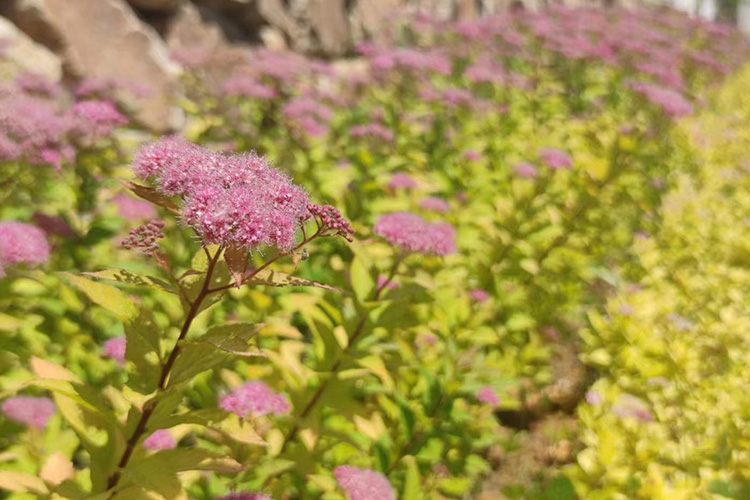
[
  {"x": 115, "y": 349},
  {"x": 255, "y": 398},
  {"x": 363, "y": 484},
  {"x": 414, "y": 234},
  {"x": 487, "y": 396},
  {"x": 160, "y": 440},
  {"x": 31, "y": 411}
]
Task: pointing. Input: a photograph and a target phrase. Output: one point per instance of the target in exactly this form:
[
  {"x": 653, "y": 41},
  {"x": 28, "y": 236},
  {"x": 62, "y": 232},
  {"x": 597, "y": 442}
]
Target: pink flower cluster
[
  {"x": 478, "y": 295},
  {"x": 555, "y": 158},
  {"x": 434, "y": 204},
  {"x": 363, "y": 484},
  {"x": 310, "y": 115},
  {"x": 255, "y": 398},
  {"x": 331, "y": 221},
  {"x": 372, "y": 131},
  {"x": 231, "y": 200},
  {"x": 145, "y": 238},
  {"x": 245, "y": 86},
  {"x": 22, "y": 244},
  {"x": 670, "y": 101},
  {"x": 31, "y": 411},
  {"x": 95, "y": 119},
  {"x": 487, "y": 396},
  {"x": 414, "y": 234},
  {"x": 401, "y": 180},
  {"x": 525, "y": 170},
  {"x": 115, "y": 349},
  {"x": 160, "y": 440}
]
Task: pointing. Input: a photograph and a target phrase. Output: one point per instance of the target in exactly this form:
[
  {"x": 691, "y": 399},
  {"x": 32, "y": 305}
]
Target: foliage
[{"x": 500, "y": 176}]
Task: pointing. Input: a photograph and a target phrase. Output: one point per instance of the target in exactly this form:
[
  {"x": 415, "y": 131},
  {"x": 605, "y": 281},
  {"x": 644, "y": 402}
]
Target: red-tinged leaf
[
  {"x": 152, "y": 195},
  {"x": 236, "y": 259}
]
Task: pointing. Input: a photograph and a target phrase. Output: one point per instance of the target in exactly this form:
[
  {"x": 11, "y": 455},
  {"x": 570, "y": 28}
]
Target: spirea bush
[{"x": 360, "y": 284}]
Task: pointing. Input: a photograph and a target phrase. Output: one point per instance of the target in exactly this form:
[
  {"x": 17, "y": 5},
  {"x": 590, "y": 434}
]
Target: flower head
[
  {"x": 414, "y": 234},
  {"x": 401, "y": 180},
  {"x": 331, "y": 222},
  {"x": 434, "y": 204},
  {"x": 34, "y": 412},
  {"x": 479, "y": 295},
  {"x": 525, "y": 170},
  {"x": 487, "y": 396},
  {"x": 244, "y": 86},
  {"x": 22, "y": 244},
  {"x": 555, "y": 158},
  {"x": 95, "y": 119},
  {"x": 363, "y": 484},
  {"x": 160, "y": 440},
  {"x": 255, "y": 398},
  {"x": 115, "y": 349},
  {"x": 145, "y": 238},
  {"x": 231, "y": 200}
]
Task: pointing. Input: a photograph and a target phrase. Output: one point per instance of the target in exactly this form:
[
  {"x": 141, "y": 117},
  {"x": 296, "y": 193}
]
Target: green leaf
[
  {"x": 454, "y": 487},
  {"x": 130, "y": 278},
  {"x": 143, "y": 353},
  {"x": 268, "y": 277},
  {"x": 413, "y": 482},
  {"x": 362, "y": 280},
  {"x": 236, "y": 259},
  {"x": 107, "y": 296},
  {"x": 217, "y": 345}
]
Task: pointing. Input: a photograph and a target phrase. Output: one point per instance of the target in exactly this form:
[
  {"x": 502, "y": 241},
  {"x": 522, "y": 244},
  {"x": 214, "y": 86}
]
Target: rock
[
  {"x": 187, "y": 30},
  {"x": 467, "y": 10},
  {"x": 116, "y": 46},
  {"x": 275, "y": 14},
  {"x": 273, "y": 38},
  {"x": 20, "y": 54},
  {"x": 329, "y": 22},
  {"x": 156, "y": 5}
]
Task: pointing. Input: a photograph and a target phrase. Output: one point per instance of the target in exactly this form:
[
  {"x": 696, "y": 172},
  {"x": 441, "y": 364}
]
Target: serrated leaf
[
  {"x": 152, "y": 195},
  {"x": 106, "y": 296},
  {"x": 130, "y": 278},
  {"x": 216, "y": 346},
  {"x": 268, "y": 277},
  {"x": 143, "y": 353}
]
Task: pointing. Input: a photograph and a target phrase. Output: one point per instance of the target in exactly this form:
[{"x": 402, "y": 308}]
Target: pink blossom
[
  {"x": 479, "y": 295},
  {"x": 427, "y": 339},
  {"x": 331, "y": 222},
  {"x": 434, "y": 204},
  {"x": 472, "y": 155},
  {"x": 31, "y": 411},
  {"x": 115, "y": 349},
  {"x": 145, "y": 238},
  {"x": 22, "y": 244},
  {"x": 160, "y": 440},
  {"x": 670, "y": 101},
  {"x": 401, "y": 180},
  {"x": 245, "y": 86},
  {"x": 414, "y": 234},
  {"x": 132, "y": 209},
  {"x": 373, "y": 131},
  {"x": 555, "y": 158},
  {"x": 35, "y": 83},
  {"x": 255, "y": 398},
  {"x": 487, "y": 396},
  {"x": 525, "y": 170},
  {"x": 363, "y": 484},
  {"x": 96, "y": 119},
  {"x": 594, "y": 398},
  {"x": 231, "y": 200}
]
